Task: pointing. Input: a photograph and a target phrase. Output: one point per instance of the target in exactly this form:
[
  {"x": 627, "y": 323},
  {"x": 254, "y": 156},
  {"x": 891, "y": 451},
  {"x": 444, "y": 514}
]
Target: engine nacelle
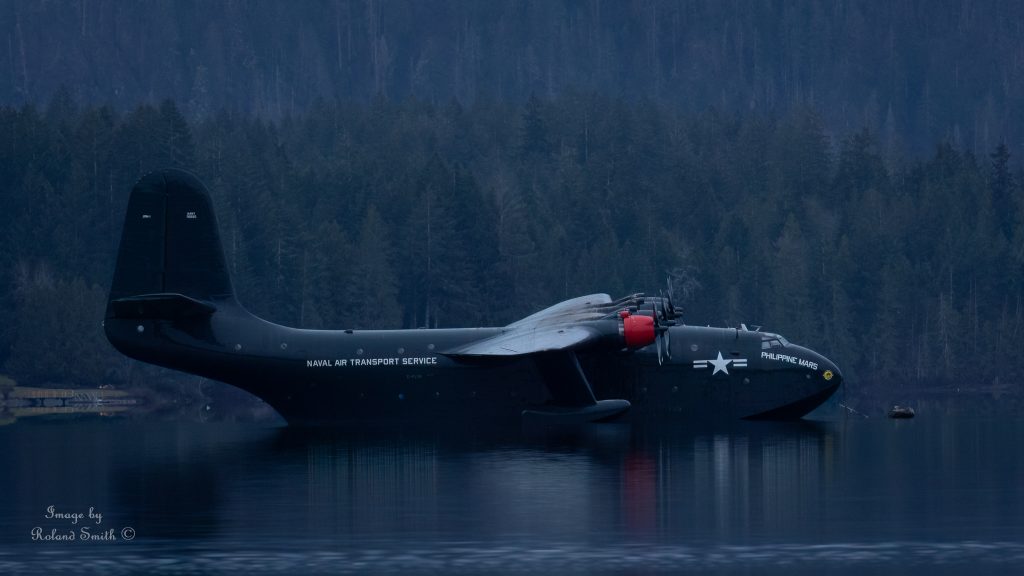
[{"x": 638, "y": 331}]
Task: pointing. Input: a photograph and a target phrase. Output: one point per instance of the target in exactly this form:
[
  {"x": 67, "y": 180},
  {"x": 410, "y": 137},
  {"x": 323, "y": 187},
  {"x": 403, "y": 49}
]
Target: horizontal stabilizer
[{"x": 160, "y": 306}]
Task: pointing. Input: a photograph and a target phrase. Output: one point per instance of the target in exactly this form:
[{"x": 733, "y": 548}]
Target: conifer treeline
[
  {"x": 912, "y": 70},
  {"x": 907, "y": 273}
]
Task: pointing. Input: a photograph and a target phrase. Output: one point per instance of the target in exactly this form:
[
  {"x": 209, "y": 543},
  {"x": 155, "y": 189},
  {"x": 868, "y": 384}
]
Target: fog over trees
[
  {"x": 912, "y": 71},
  {"x": 844, "y": 173}
]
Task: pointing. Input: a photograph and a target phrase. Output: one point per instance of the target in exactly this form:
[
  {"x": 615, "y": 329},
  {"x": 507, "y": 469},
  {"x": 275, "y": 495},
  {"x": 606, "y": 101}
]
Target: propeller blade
[{"x": 659, "y": 329}]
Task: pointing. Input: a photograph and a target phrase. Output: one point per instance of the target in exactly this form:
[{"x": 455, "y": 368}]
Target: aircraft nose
[{"x": 830, "y": 372}]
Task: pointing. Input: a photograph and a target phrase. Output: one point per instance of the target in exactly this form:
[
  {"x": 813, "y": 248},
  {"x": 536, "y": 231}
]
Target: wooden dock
[{"x": 24, "y": 396}]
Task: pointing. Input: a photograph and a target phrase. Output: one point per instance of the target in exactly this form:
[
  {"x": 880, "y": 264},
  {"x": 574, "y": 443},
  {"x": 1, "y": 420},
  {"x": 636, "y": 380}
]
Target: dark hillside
[
  {"x": 908, "y": 276},
  {"x": 913, "y": 71}
]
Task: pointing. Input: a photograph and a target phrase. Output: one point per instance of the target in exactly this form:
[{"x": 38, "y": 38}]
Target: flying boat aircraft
[{"x": 587, "y": 359}]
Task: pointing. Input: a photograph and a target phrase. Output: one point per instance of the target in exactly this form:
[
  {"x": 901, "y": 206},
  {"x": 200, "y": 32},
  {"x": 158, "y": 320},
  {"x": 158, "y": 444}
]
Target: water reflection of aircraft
[
  {"x": 299, "y": 493},
  {"x": 586, "y": 359},
  {"x": 340, "y": 484}
]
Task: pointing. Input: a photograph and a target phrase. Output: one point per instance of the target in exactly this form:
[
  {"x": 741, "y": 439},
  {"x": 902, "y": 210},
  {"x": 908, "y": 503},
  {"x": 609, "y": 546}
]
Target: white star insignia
[{"x": 721, "y": 364}]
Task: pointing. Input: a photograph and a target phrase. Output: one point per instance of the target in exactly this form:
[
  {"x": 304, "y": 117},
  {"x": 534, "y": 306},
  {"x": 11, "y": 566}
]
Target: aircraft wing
[
  {"x": 581, "y": 303},
  {"x": 529, "y": 339},
  {"x": 552, "y": 349},
  {"x": 580, "y": 323},
  {"x": 568, "y": 325},
  {"x": 550, "y": 338}
]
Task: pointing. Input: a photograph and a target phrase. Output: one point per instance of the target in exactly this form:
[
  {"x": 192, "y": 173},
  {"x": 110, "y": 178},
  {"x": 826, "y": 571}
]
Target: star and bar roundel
[{"x": 720, "y": 364}]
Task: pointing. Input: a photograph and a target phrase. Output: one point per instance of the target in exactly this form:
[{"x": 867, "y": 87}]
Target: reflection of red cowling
[
  {"x": 640, "y": 493},
  {"x": 638, "y": 331}
]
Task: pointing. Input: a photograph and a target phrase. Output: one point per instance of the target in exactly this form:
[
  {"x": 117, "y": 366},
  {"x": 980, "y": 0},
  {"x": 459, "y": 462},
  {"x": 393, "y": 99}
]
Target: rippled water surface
[{"x": 936, "y": 495}]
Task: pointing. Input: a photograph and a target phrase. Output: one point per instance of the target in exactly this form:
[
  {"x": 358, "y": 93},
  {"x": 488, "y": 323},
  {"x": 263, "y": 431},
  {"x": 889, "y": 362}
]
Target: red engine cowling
[{"x": 638, "y": 331}]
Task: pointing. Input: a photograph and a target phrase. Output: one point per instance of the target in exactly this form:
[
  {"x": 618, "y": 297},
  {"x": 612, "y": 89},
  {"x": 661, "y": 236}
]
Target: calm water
[{"x": 842, "y": 497}]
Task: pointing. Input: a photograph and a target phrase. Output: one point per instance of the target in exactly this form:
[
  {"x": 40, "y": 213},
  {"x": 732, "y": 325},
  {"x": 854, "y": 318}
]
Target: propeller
[
  {"x": 668, "y": 306},
  {"x": 661, "y": 329},
  {"x": 670, "y": 313},
  {"x": 657, "y": 344},
  {"x": 661, "y": 332}
]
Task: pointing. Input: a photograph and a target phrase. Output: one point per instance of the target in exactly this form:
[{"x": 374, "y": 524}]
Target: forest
[
  {"x": 912, "y": 71},
  {"x": 907, "y": 271}
]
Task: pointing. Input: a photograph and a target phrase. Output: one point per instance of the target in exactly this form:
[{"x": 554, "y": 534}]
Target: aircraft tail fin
[{"x": 171, "y": 261}]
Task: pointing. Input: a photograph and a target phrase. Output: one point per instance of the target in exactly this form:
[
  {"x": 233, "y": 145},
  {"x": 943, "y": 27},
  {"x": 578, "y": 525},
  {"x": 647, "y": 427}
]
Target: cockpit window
[{"x": 769, "y": 340}]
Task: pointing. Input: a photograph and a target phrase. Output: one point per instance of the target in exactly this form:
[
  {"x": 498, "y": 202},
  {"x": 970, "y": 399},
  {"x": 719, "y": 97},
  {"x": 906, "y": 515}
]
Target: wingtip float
[{"x": 586, "y": 359}]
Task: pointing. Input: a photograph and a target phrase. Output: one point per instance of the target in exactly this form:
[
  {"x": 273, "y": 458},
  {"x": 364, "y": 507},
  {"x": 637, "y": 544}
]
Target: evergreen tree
[
  {"x": 175, "y": 138},
  {"x": 1002, "y": 186},
  {"x": 790, "y": 310},
  {"x": 59, "y": 335},
  {"x": 372, "y": 293},
  {"x": 437, "y": 261},
  {"x": 325, "y": 277},
  {"x": 534, "y": 139}
]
